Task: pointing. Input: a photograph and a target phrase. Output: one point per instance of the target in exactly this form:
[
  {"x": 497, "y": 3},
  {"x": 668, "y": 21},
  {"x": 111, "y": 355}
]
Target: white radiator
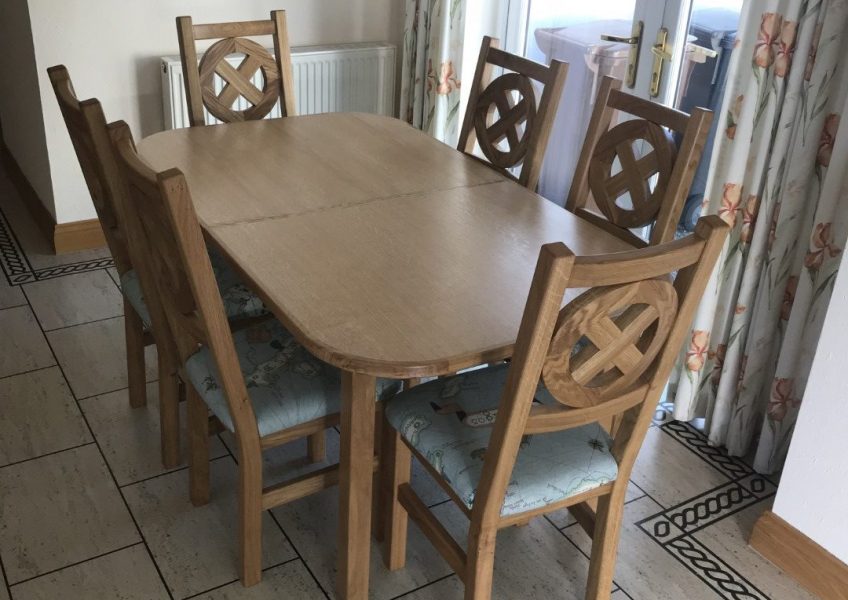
[{"x": 336, "y": 78}]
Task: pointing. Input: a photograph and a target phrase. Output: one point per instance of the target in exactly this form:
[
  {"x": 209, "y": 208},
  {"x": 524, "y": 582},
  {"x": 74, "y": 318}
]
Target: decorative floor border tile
[
  {"x": 697, "y": 443},
  {"x": 17, "y": 268},
  {"x": 673, "y": 527}
]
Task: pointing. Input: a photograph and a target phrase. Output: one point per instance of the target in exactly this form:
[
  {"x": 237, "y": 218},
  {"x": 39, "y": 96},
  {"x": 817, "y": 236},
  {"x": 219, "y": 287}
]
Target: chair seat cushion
[
  {"x": 287, "y": 385},
  {"x": 239, "y": 301},
  {"x": 449, "y": 422}
]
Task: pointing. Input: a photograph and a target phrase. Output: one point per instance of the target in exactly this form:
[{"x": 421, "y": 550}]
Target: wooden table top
[{"x": 386, "y": 252}]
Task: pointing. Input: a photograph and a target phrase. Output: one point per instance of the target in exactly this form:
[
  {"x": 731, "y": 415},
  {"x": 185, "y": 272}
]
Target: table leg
[{"x": 356, "y": 462}]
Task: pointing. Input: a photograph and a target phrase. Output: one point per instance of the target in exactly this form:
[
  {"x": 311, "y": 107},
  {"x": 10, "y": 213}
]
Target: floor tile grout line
[
  {"x": 63, "y": 327},
  {"x": 103, "y": 458},
  {"x": 297, "y": 553},
  {"x": 421, "y": 587},
  {"x": 75, "y": 564},
  {"x": 46, "y": 454},
  {"x": 28, "y": 371},
  {"x": 232, "y": 581},
  {"x": 5, "y": 578},
  {"x": 166, "y": 473},
  {"x": 46, "y": 331}
]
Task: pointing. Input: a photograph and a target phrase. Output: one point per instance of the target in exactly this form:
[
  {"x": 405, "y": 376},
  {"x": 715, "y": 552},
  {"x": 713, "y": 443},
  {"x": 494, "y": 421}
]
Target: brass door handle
[
  {"x": 635, "y": 43},
  {"x": 659, "y": 51},
  {"x": 632, "y": 40}
]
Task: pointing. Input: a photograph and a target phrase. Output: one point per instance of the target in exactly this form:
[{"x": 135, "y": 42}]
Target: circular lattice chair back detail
[
  {"x": 635, "y": 174},
  {"x": 514, "y": 119},
  {"x": 238, "y": 80},
  {"x": 607, "y": 339}
]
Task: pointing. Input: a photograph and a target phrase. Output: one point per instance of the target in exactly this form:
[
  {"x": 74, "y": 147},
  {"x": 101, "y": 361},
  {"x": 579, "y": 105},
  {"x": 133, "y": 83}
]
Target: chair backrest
[
  {"x": 232, "y": 39},
  {"x": 87, "y": 128},
  {"x": 520, "y": 134},
  {"x": 180, "y": 271},
  {"x": 656, "y": 128},
  {"x": 608, "y": 352}
]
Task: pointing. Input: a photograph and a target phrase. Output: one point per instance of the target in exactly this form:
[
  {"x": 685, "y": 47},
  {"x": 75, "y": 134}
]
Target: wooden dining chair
[
  {"x": 86, "y": 125},
  {"x": 259, "y": 382},
  {"x": 200, "y": 84},
  {"x": 514, "y": 441},
  {"x": 519, "y": 135},
  {"x": 638, "y": 172}
]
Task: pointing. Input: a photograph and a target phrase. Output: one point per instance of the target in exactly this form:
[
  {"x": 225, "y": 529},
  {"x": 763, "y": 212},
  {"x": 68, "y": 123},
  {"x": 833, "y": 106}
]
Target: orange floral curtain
[
  {"x": 779, "y": 178},
  {"x": 432, "y": 60}
]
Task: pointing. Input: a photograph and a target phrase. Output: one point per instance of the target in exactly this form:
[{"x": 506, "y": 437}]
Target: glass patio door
[{"x": 670, "y": 51}]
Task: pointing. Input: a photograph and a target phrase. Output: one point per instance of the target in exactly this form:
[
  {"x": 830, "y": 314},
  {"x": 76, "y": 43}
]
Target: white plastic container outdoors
[{"x": 589, "y": 58}]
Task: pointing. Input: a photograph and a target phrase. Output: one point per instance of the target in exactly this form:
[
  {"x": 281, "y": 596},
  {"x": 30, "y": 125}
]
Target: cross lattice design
[
  {"x": 635, "y": 174},
  {"x": 606, "y": 339},
  {"x": 512, "y": 114},
  {"x": 238, "y": 80}
]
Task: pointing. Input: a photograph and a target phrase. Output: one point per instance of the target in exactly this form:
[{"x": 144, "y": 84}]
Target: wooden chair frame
[
  {"x": 543, "y": 349},
  {"x": 198, "y": 75},
  {"x": 191, "y": 309},
  {"x": 488, "y": 95},
  {"x": 674, "y": 163},
  {"x": 86, "y": 125}
]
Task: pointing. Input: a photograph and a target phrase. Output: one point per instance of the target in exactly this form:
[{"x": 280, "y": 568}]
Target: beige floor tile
[
  {"x": 640, "y": 555},
  {"x": 58, "y": 510},
  {"x": 38, "y": 415},
  {"x": 196, "y": 548},
  {"x": 669, "y": 472},
  {"x": 312, "y": 525},
  {"x": 24, "y": 347},
  {"x": 128, "y": 574},
  {"x": 74, "y": 299},
  {"x": 93, "y": 356},
  {"x": 535, "y": 562},
  {"x": 728, "y": 539},
  {"x": 10, "y": 295},
  {"x": 290, "y": 581},
  {"x": 129, "y": 437},
  {"x": 4, "y": 593}
]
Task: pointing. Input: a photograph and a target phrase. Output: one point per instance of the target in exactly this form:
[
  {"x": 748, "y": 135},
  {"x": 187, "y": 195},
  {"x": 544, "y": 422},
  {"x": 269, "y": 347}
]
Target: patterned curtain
[
  {"x": 779, "y": 177},
  {"x": 432, "y": 61}
]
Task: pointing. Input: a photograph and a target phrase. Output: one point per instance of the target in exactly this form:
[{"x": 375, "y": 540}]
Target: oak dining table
[{"x": 385, "y": 252}]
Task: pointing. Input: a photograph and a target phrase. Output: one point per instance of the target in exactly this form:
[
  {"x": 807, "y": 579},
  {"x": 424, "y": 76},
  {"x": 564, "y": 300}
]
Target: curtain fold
[
  {"x": 432, "y": 61},
  {"x": 779, "y": 178}
]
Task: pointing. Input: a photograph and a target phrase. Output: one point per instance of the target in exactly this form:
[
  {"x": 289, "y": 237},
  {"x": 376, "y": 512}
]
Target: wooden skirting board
[
  {"x": 78, "y": 235},
  {"x": 800, "y": 557},
  {"x": 63, "y": 237}
]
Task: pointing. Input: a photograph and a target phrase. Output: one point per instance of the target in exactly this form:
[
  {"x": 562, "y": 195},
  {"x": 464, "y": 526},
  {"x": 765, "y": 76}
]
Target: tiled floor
[{"x": 86, "y": 512}]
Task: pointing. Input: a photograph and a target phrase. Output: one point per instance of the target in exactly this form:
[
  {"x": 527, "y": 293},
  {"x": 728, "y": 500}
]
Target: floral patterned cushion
[
  {"x": 287, "y": 385},
  {"x": 239, "y": 301},
  {"x": 449, "y": 421}
]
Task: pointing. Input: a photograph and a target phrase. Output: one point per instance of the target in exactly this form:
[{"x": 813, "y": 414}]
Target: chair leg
[
  {"x": 317, "y": 447},
  {"x": 198, "y": 457},
  {"x": 480, "y": 568},
  {"x": 250, "y": 516},
  {"x": 604, "y": 546},
  {"x": 169, "y": 413},
  {"x": 395, "y": 470},
  {"x": 378, "y": 500},
  {"x": 134, "y": 332}
]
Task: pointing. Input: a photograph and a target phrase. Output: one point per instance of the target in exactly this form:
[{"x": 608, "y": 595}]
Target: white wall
[
  {"x": 111, "y": 49},
  {"x": 20, "y": 103},
  {"x": 813, "y": 491}
]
